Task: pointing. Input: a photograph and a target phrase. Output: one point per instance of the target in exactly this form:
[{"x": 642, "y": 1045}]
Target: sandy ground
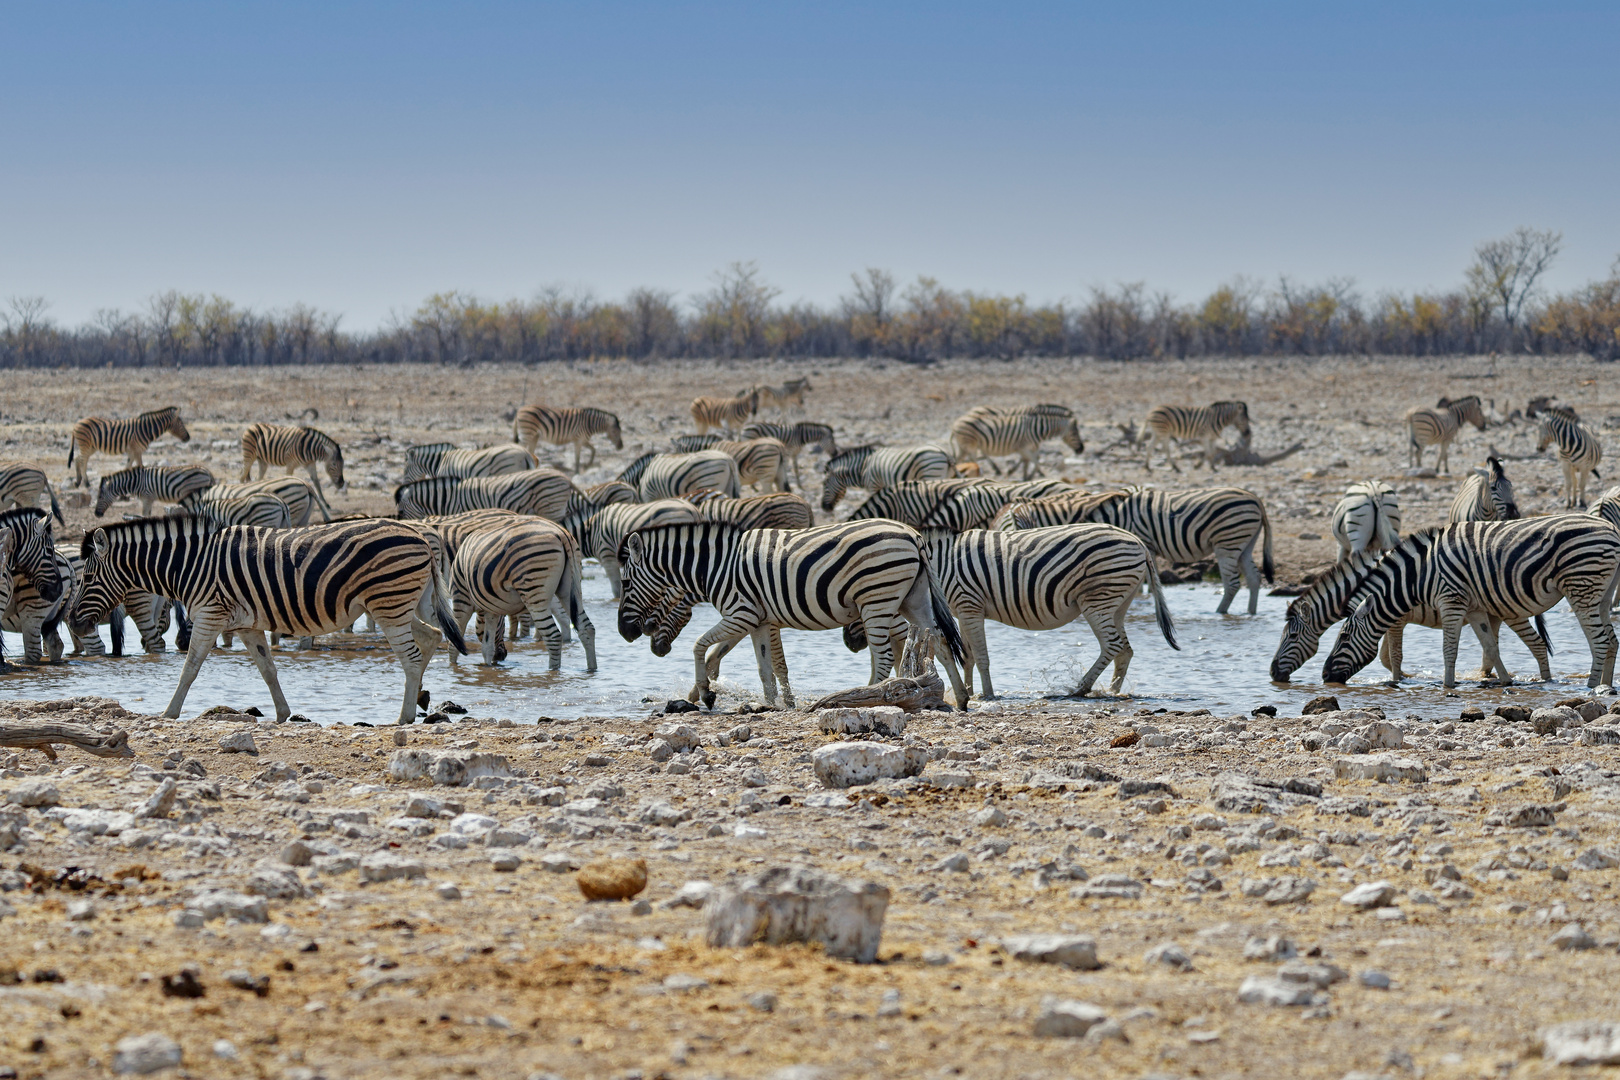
[{"x": 520, "y": 976}]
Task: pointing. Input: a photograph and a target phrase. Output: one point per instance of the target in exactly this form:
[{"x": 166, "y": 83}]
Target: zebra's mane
[
  {"x": 155, "y": 413},
  {"x": 22, "y": 515},
  {"x": 429, "y": 448},
  {"x": 633, "y": 471},
  {"x": 150, "y": 528},
  {"x": 853, "y": 453},
  {"x": 1357, "y": 565}
]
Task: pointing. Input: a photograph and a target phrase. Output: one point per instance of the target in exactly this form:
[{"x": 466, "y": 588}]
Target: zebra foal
[
  {"x": 1438, "y": 426},
  {"x": 727, "y": 412},
  {"x": 305, "y": 582},
  {"x": 1368, "y": 518},
  {"x": 1579, "y": 452},
  {"x": 444, "y": 459},
  {"x": 873, "y": 468},
  {"x": 519, "y": 568},
  {"x": 986, "y": 432},
  {"x": 791, "y": 392},
  {"x": 293, "y": 448},
  {"x": 535, "y": 424},
  {"x": 98, "y": 434},
  {"x": 22, "y": 483},
  {"x": 1168, "y": 423},
  {"x": 152, "y": 483}
]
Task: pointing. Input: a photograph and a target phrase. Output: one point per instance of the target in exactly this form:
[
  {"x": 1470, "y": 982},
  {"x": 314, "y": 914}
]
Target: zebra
[
  {"x": 669, "y": 476},
  {"x": 1426, "y": 427},
  {"x": 759, "y": 461},
  {"x": 22, "y": 483},
  {"x": 292, "y": 490},
  {"x": 1579, "y": 452},
  {"x": 443, "y": 459},
  {"x": 36, "y": 619},
  {"x": 822, "y": 578},
  {"x": 307, "y": 582},
  {"x": 778, "y": 510},
  {"x": 1203, "y": 425},
  {"x": 33, "y": 551},
  {"x": 96, "y": 434},
  {"x": 1368, "y": 518},
  {"x": 985, "y": 432},
  {"x": 1608, "y": 507},
  {"x": 955, "y": 504},
  {"x": 8, "y": 543},
  {"x": 259, "y": 509},
  {"x": 522, "y": 567},
  {"x": 293, "y": 447},
  {"x": 561, "y": 426},
  {"x": 1178, "y": 526},
  {"x": 601, "y": 535},
  {"x": 875, "y": 468},
  {"x": 150, "y": 614},
  {"x": 1476, "y": 570},
  {"x": 795, "y": 437},
  {"x": 544, "y": 492},
  {"x": 789, "y": 393},
  {"x": 1539, "y": 406},
  {"x": 1335, "y": 594},
  {"x": 727, "y": 412},
  {"x": 152, "y": 483},
  {"x": 1486, "y": 495}
]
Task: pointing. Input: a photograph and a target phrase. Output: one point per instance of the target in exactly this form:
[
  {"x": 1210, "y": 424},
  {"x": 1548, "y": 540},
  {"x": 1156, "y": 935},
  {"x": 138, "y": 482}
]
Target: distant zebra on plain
[
  {"x": 778, "y": 510},
  {"x": 557, "y": 426},
  {"x": 294, "y": 491},
  {"x": 98, "y": 434},
  {"x": 669, "y": 476},
  {"x": 1486, "y": 495},
  {"x": 822, "y": 578},
  {"x": 1579, "y": 452},
  {"x": 954, "y": 504},
  {"x": 874, "y": 468},
  {"x": 152, "y": 483},
  {"x": 542, "y": 491},
  {"x": 522, "y": 568},
  {"x": 986, "y": 432},
  {"x": 795, "y": 437},
  {"x": 444, "y": 459},
  {"x": 305, "y": 582},
  {"x": 1439, "y": 425},
  {"x": 1167, "y": 424},
  {"x": 788, "y": 393},
  {"x": 1477, "y": 570},
  {"x": 730, "y": 413},
  {"x": 293, "y": 448},
  {"x": 1368, "y": 518},
  {"x": 22, "y": 483}
]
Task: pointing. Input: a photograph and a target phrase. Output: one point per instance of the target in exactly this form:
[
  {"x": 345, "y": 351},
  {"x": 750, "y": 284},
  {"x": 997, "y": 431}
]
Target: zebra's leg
[
  {"x": 728, "y": 631},
  {"x": 1451, "y": 623},
  {"x": 33, "y": 642},
  {"x": 1102, "y": 624},
  {"x": 559, "y": 612},
  {"x": 1122, "y": 657},
  {"x": 1251, "y": 573},
  {"x": 972, "y": 625},
  {"x": 402, "y": 638},
  {"x": 1485, "y": 629},
  {"x": 486, "y": 637},
  {"x": 1393, "y": 650},
  {"x": 1227, "y": 561},
  {"x": 545, "y": 626},
  {"x": 259, "y": 648},
  {"x": 615, "y": 575},
  {"x": 1592, "y": 614},
  {"x": 205, "y": 627},
  {"x": 1532, "y": 641},
  {"x": 767, "y": 664}
]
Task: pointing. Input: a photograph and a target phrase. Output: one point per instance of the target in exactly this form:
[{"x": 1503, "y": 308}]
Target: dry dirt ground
[{"x": 519, "y": 976}]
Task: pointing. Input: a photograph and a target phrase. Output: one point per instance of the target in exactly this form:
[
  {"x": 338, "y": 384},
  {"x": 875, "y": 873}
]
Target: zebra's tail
[
  {"x": 942, "y": 615},
  {"x": 1541, "y": 628},
  {"x": 73, "y": 444},
  {"x": 1268, "y": 565},
  {"x": 55, "y": 509},
  {"x": 1161, "y": 612},
  {"x": 441, "y": 609}
]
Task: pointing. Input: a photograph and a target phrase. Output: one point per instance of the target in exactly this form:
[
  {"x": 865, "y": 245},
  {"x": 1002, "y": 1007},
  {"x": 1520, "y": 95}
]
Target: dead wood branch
[
  {"x": 44, "y": 737},
  {"x": 913, "y": 695},
  {"x": 1241, "y": 454}
]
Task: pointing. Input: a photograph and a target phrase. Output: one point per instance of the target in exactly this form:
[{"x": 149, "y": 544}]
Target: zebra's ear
[
  {"x": 42, "y": 528},
  {"x": 98, "y": 543},
  {"x": 632, "y": 546}
]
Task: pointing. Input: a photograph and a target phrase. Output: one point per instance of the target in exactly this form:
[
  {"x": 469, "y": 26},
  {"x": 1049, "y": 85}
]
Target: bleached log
[{"x": 45, "y": 737}]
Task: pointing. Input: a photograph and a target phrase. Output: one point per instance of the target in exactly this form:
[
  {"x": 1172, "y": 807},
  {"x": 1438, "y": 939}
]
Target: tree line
[{"x": 1499, "y": 307}]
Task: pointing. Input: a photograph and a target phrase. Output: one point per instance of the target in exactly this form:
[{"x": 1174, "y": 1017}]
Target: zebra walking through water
[
  {"x": 152, "y": 483},
  {"x": 522, "y": 567},
  {"x": 1368, "y": 518},
  {"x": 1486, "y": 495},
  {"x": 1579, "y": 452},
  {"x": 444, "y": 459},
  {"x": 557, "y": 426},
  {"x": 1438, "y": 426},
  {"x": 1169, "y": 423},
  {"x": 986, "y": 432},
  {"x": 293, "y": 448},
  {"x": 305, "y": 582},
  {"x": 874, "y": 468},
  {"x": 98, "y": 434}
]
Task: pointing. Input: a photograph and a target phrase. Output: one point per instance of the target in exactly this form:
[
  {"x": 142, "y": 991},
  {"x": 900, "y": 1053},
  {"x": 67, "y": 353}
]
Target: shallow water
[{"x": 1223, "y": 666}]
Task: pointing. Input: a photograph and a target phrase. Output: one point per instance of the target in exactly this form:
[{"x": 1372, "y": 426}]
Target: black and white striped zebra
[
  {"x": 8, "y": 542},
  {"x": 1439, "y": 425},
  {"x": 294, "y": 491},
  {"x": 1331, "y": 598},
  {"x": 445, "y": 459},
  {"x": 670, "y": 476},
  {"x": 873, "y": 468},
  {"x": 37, "y": 619},
  {"x": 152, "y": 483},
  {"x": 543, "y": 492},
  {"x": 795, "y": 437},
  {"x": 955, "y": 504},
  {"x": 822, "y": 578},
  {"x": 986, "y": 432},
  {"x": 1579, "y": 452},
  {"x": 259, "y": 509},
  {"x": 730, "y": 413},
  {"x": 306, "y": 582},
  {"x": 555, "y": 426},
  {"x": 522, "y": 567},
  {"x": 293, "y": 448},
  {"x": 1168, "y": 424},
  {"x": 1477, "y": 570},
  {"x": 1486, "y": 495},
  {"x": 1368, "y": 518},
  {"x": 1178, "y": 526},
  {"x": 601, "y": 535},
  {"x": 151, "y": 615},
  {"x": 33, "y": 552},
  {"x": 98, "y": 434},
  {"x": 778, "y": 510},
  {"x": 22, "y": 483}
]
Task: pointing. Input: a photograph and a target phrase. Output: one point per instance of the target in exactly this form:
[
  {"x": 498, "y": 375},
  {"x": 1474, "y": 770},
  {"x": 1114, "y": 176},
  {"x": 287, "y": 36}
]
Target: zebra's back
[
  {"x": 669, "y": 476},
  {"x": 776, "y": 510}
]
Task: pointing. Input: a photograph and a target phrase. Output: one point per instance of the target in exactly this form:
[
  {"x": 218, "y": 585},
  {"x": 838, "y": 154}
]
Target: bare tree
[
  {"x": 873, "y": 292},
  {"x": 1505, "y": 271},
  {"x": 25, "y": 315}
]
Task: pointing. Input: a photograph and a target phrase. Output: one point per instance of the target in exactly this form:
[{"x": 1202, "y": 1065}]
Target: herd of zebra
[{"x": 933, "y": 551}]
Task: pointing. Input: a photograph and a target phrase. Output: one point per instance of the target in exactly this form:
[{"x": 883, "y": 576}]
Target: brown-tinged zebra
[
  {"x": 822, "y": 578},
  {"x": 444, "y": 459},
  {"x": 986, "y": 433},
  {"x": 555, "y": 426},
  {"x": 523, "y": 567},
  {"x": 1368, "y": 518},
  {"x": 38, "y": 577},
  {"x": 1169, "y": 423},
  {"x": 669, "y": 476},
  {"x": 1579, "y": 452},
  {"x": 293, "y": 448},
  {"x": 1486, "y": 495},
  {"x": 759, "y": 461},
  {"x": 306, "y": 582},
  {"x": 788, "y": 393},
  {"x": 98, "y": 434},
  {"x": 1438, "y": 426},
  {"x": 22, "y": 483},
  {"x": 795, "y": 437},
  {"x": 543, "y": 492},
  {"x": 602, "y": 533},
  {"x": 955, "y": 504},
  {"x": 730, "y": 413},
  {"x": 874, "y": 468},
  {"x": 778, "y": 510},
  {"x": 152, "y": 483}
]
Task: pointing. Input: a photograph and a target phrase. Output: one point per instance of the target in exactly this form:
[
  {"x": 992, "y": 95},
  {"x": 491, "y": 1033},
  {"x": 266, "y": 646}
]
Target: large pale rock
[
  {"x": 452, "y": 768},
  {"x": 141, "y": 1055},
  {"x": 226, "y": 904},
  {"x": 33, "y": 793},
  {"x": 1547, "y": 721},
  {"x": 1382, "y": 735},
  {"x": 1066, "y": 950},
  {"x": 787, "y": 904},
  {"x": 1582, "y": 1042},
  {"x": 682, "y": 738},
  {"x": 1278, "y": 890},
  {"x": 846, "y": 764},
  {"x": 1066, "y": 1019},
  {"x": 880, "y": 720},
  {"x": 1244, "y": 794},
  {"x": 384, "y": 866},
  {"x": 93, "y": 822},
  {"x": 1527, "y": 816},
  {"x": 1373, "y": 894},
  {"x": 239, "y": 742},
  {"x": 159, "y": 803},
  {"x": 1270, "y": 990},
  {"x": 1384, "y": 768}
]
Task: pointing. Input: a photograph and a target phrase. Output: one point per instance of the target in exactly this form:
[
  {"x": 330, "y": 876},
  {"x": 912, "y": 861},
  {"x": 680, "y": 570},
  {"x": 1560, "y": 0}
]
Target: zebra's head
[
  {"x": 423, "y": 461},
  {"x": 172, "y": 422},
  {"x": 1547, "y": 431},
  {"x": 1355, "y": 649},
  {"x": 417, "y": 498},
  {"x": 666, "y": 621},
  {"x": 1071, "y": 436},
  {"x": 1500, "y": 490},
  {"x": 1300, "y": 638},
  {"x": 610, "y": 425},
  {"x": 643, "y": 593},
  {"x": 334, "y": 464},
  {"x": 104, "y": 585},
  {"x": 33, "y": 553},
  {"x": 1235, "y": 413},
  {"x": 1466, "y": 409},
  {"x": 117, "y": 486}
]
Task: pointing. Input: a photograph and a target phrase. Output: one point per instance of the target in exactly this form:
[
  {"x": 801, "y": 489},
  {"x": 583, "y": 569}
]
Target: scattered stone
[
  {"x": 682, "y": 738},
  {"x": 763, "y": 1001},
  {"x": 450, "y": 768},
  {"x": 885, "y": 720},
  {"x": 1513, "y": 714},
  {"x": 1524, "y": 817},
  {"x": 1373, "y": 894},
  {"x": 1383, "y": 768},
  {"x": 612, "y": 879},
  {"x": 258, "y": 985},
  {"x": 682, "y": 983},
  {"x": 1066, "y": 1019},
  {"x": 693, "y": 894},
  {"x": 1108, "y": 887},
  {"x": 1320, "y": 976},
  {"x": 1573, "y": 938},
  {"x": 141, "y": 1055},
  {"x": 847, "y": 764},
  {"x": 1270, "y": 990},
  {"x": 1547, "y": 721},
  {"x": 505, "y": 862},
  {"x": 1581, "y": 1042},
  {"x": 160, "y": 803},
  {"x": 1324, "y": 703},
  {"x": 1269, "y": 949},
  {"x": 1119, "y": 742},
  {"x": 447, "y": 890},
  {"x": 1278, "y": 890},
  {"x": 239, "y": 742},
  {"x": 1065, "y": 950},
  {"x": 558, "y": 862},
  {"x": 1264, "y": 710},
  {"x": 183, "y": 984},
  {"x": 991, "y": 817},
  {"x": 384, "y": 866},
  {"x": 34, "y": 793},
  {"x": 1374, "y": 980},
  {"x": 787, "y": 904},
  {"x": 1471, "y": 714},
  {"x": 225, "y": 904},
  {"x": 1168, "y": 955},
  {"x": 1594, "y": 859}
]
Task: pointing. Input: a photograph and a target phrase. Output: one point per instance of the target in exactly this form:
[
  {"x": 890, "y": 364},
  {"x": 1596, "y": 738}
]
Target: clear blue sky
[{"x": 360, "y": 156}]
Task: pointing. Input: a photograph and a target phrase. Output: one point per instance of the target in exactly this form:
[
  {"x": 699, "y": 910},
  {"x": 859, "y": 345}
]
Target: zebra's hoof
[{"x": 708, "y": 699}]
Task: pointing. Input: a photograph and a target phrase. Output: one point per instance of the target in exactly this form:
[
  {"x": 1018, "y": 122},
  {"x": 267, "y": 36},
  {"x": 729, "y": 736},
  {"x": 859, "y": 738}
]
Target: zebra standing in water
[
  {"x": 295, "y": 492},
  {"x": 294, "y": 581},
  {"x": 1168, "y": 423},
  {"x": 1439, "y": 425},
  {"x": 443, "y": 459},
  {"x": 730, "y": 413},
  {"x": 294, "y": 448},
  {"x": 97, "y": 434},
  {"x": 875, "y": 468},
  {"x": 823, "y": 578},
  {"x": 7, "y": 584},
  {"x": 1368, "y": 518},
  {"x": 1486, "y": 495},
  {"x": 522, "y": 567},
  {"x": 986, "y": 432},
  {"x": 778, "y": 510},
  {"x": 1579, "y": 452},
  {"x": 795, "y": 437},
  {"x": 601, "y": 536},
  {"x": 22, "y": 483},
  {"x": 955, "y": 504},
  {"x": 544, "y": 492},
  {"x": 669, "y": 476},
  {"x": 152, "y": 483},
  {"x": 1477, "y": 570},
  {"x": 560, "y": 427}
]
